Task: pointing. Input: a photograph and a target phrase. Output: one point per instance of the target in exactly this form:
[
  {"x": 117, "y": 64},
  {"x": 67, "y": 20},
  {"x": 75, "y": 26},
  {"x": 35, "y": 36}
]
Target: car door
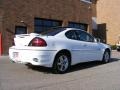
[
  {"x": 83, "y": 47},
  {"x": 90, "y": 49},
  {"x": 76, "y": 47}
]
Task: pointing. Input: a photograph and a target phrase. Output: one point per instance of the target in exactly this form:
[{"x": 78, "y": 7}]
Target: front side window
[
  {"x": 41, "y": 24},
  {"x": 83, "y": 36}
]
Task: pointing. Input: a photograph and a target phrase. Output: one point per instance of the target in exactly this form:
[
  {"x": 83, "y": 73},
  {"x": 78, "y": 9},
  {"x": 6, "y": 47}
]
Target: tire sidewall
[
  {"x": 55, "y": 67},
  {"x": 104, "y": 58}
]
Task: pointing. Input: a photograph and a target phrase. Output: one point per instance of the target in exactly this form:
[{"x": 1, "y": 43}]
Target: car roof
[{"x": 55, "y": 30}]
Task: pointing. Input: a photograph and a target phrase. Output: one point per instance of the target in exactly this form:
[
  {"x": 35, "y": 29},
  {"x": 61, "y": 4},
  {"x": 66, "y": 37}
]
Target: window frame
[
  {"x": 44, "y": 24},
  {"x": 22, "y": 27},
  {"x": 74, "y": 24}
]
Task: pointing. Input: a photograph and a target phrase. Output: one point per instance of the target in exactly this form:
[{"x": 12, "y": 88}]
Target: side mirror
[{"x": 97, "y": 40}]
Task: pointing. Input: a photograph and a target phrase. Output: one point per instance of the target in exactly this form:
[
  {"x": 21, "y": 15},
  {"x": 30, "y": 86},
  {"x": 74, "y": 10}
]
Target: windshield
[{"x": 52, "y": 31}]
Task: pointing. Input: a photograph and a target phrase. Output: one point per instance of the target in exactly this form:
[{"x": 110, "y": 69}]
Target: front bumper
[{"x": 32, "y": 56}]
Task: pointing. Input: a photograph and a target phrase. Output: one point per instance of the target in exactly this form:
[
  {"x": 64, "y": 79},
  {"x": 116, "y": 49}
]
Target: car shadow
[
  {"x": 80, "y": 66},
  {"x": 87, "y": 65},
  {"x": 45, "y": 70}
]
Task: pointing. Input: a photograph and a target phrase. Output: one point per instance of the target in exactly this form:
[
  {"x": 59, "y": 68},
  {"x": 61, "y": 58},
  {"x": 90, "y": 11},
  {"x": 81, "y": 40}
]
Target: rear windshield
[{"x": 52, "y": 32}]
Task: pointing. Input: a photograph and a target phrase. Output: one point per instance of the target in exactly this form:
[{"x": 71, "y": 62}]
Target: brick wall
[
  {"x": 26, "y": 10},
  {"x": 108, "y": 12}
]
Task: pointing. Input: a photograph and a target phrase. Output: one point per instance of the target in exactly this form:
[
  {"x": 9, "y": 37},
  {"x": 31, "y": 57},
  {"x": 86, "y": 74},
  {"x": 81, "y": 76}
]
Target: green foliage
[{"x": 113, "y": 47}]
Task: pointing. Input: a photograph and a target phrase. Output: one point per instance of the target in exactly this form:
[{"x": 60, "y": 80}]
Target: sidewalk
[{"x": 4, "y": 57}]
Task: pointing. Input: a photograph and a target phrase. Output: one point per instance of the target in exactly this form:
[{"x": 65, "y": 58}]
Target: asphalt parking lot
[{"x": 85, "y": 76}]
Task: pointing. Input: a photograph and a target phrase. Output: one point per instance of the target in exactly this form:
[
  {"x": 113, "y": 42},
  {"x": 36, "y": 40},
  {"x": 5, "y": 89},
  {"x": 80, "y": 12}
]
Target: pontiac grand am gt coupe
[{"x": 58, "y": 48}]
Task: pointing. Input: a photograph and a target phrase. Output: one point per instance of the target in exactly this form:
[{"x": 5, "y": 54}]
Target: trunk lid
[{"x": 24, "y": 39}]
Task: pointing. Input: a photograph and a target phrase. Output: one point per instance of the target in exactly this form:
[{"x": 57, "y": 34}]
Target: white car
[{"x": 58, "y": 48}]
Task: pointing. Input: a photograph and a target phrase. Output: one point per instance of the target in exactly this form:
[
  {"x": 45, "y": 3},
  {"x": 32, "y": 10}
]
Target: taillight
[{"x": 38, "y": 42}]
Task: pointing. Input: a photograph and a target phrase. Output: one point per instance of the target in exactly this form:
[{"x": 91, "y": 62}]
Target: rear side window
[{"x": 71, "y": 34}]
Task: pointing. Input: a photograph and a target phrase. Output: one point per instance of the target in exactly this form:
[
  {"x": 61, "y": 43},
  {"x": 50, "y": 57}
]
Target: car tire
[
  {"x": 106, "y": 57},
  {"x": 118, "y": 50},
  {"x": 61, "y": 63}
]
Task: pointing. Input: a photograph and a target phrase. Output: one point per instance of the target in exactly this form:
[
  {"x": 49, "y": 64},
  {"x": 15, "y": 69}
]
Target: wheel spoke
[
  {"x": 61, "y": 58},
  {"x": 62, "y": 67},
  {"x": 59, "y": 63},
  {"x": 107, "y": 57},
  {"x": 62, "y": 63}
]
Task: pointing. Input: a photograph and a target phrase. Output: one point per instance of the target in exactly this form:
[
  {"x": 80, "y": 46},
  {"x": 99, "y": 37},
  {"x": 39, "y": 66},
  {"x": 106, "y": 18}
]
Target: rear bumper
[{"x": 31, "y": 56}]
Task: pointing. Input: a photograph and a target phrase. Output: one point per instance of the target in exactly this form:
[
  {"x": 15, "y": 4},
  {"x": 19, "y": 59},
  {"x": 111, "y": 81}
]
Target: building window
[
  {"x": 41, "y": 24},
  {"x": 87, "y": 1},
  {"x": 20, "y": 30},
  {"x": 78, "y": 25}
]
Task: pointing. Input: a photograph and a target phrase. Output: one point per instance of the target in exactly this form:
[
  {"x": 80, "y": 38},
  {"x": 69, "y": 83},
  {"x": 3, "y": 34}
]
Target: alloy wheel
[{"x": 61, "y": 63}]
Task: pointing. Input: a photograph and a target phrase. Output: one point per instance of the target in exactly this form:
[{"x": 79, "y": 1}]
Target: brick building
[
  {"x": 108, "y": 17},
  {"x": 26, "y": 16}
]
